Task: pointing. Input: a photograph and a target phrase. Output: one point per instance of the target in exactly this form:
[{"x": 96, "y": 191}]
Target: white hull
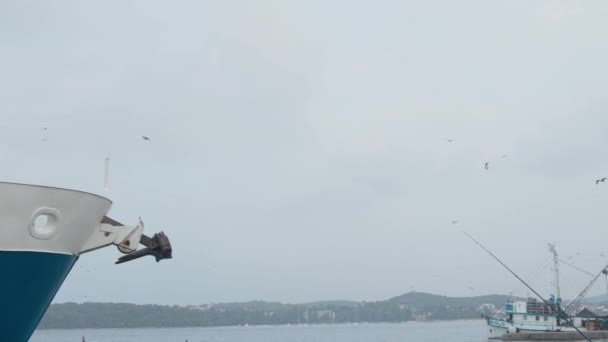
[
  {"x": 76, "y": 216},
  {"x": 499, "y": 327}
]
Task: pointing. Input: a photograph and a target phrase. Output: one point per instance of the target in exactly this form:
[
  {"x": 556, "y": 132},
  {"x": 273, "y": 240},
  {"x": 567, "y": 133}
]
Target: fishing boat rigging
[{"x": 571, "y": 307}]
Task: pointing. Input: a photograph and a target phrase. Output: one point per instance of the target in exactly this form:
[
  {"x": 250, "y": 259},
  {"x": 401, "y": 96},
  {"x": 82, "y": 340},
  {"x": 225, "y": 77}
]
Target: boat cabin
[{"x": 532, "y": 313}]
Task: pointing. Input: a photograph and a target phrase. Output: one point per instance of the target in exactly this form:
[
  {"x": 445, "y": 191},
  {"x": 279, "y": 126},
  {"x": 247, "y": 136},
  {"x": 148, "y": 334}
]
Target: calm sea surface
[
  {"x": 453, "y": 331},
  {"x": 456, "y": 331}
]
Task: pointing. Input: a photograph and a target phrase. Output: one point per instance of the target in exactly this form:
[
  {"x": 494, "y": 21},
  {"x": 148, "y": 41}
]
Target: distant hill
[
  {"x": 421, "y": 298},
  {"x": 346, "y": 303},
  {"x": 601, "y": 299},
  {"x": 407, "y": 307}
]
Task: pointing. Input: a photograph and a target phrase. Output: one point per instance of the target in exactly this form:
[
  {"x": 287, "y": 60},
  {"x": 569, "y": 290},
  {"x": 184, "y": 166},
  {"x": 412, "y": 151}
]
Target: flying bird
[
  {"x": 486, "y": 166},
  {"x": 600, "y": 180},
  {"x": 145, "y": 137},
  {"x": 454, "y": 222},
  {"x": 503, "y": 156},
  {"x": 450, "y": 140}
]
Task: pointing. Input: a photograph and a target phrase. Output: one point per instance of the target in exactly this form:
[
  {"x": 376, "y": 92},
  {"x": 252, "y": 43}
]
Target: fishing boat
[
  {"x": 528, "y": 316},
  {"x": 43, "y": 232},
  {"x": 531, "y": 315},
  {"x": 534, "y": 316}
]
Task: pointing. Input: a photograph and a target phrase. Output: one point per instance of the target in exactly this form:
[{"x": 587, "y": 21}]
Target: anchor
[
  {"x": 158, "y": 246},
  {"x": 127, "y": 239}
]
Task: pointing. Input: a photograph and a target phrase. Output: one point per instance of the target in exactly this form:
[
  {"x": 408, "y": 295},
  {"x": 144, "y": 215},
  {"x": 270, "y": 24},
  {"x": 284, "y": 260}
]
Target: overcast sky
[{"x": 299, "y": 149}]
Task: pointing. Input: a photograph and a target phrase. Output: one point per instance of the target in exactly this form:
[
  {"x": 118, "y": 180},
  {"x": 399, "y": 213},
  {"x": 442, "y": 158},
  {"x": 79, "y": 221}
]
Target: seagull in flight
[
  {"x": 454, "y": 222},
  {"x": 503, "y": 156},
  {"x": 145, "y": 137},
  {"x": 486, "y": 165},
  {"x": 450, "y": 140},
  {"x": 600, "y": 180}
]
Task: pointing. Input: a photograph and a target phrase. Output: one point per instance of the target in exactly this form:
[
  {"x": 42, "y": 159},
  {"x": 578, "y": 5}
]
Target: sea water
[
  {"x": 456, "y": 331},
  {"x": 448, "y": 331}
]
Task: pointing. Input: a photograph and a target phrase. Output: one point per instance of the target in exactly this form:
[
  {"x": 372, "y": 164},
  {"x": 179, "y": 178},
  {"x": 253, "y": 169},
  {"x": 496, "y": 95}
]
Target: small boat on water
[{"x": 43, "y": 232}]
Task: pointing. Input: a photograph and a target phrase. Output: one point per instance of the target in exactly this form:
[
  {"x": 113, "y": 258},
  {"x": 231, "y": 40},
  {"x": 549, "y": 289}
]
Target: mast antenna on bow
[{"x": 106, "y": 181}]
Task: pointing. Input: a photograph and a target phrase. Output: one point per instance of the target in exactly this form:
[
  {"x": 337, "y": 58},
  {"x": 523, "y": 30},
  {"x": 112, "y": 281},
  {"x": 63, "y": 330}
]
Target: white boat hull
[{"x": 42, "y": 231}]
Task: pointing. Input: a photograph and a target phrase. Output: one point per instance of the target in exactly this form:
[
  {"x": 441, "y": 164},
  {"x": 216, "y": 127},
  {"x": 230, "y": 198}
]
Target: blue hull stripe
[{"x": 28, "y": 284}]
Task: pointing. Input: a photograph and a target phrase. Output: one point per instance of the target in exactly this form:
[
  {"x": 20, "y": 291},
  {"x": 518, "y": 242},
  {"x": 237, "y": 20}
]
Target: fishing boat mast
[{"x": 553, "y": 250}]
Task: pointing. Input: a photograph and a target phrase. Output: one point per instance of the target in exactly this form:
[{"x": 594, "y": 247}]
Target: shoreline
[{"x": 273, "y": 325}]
